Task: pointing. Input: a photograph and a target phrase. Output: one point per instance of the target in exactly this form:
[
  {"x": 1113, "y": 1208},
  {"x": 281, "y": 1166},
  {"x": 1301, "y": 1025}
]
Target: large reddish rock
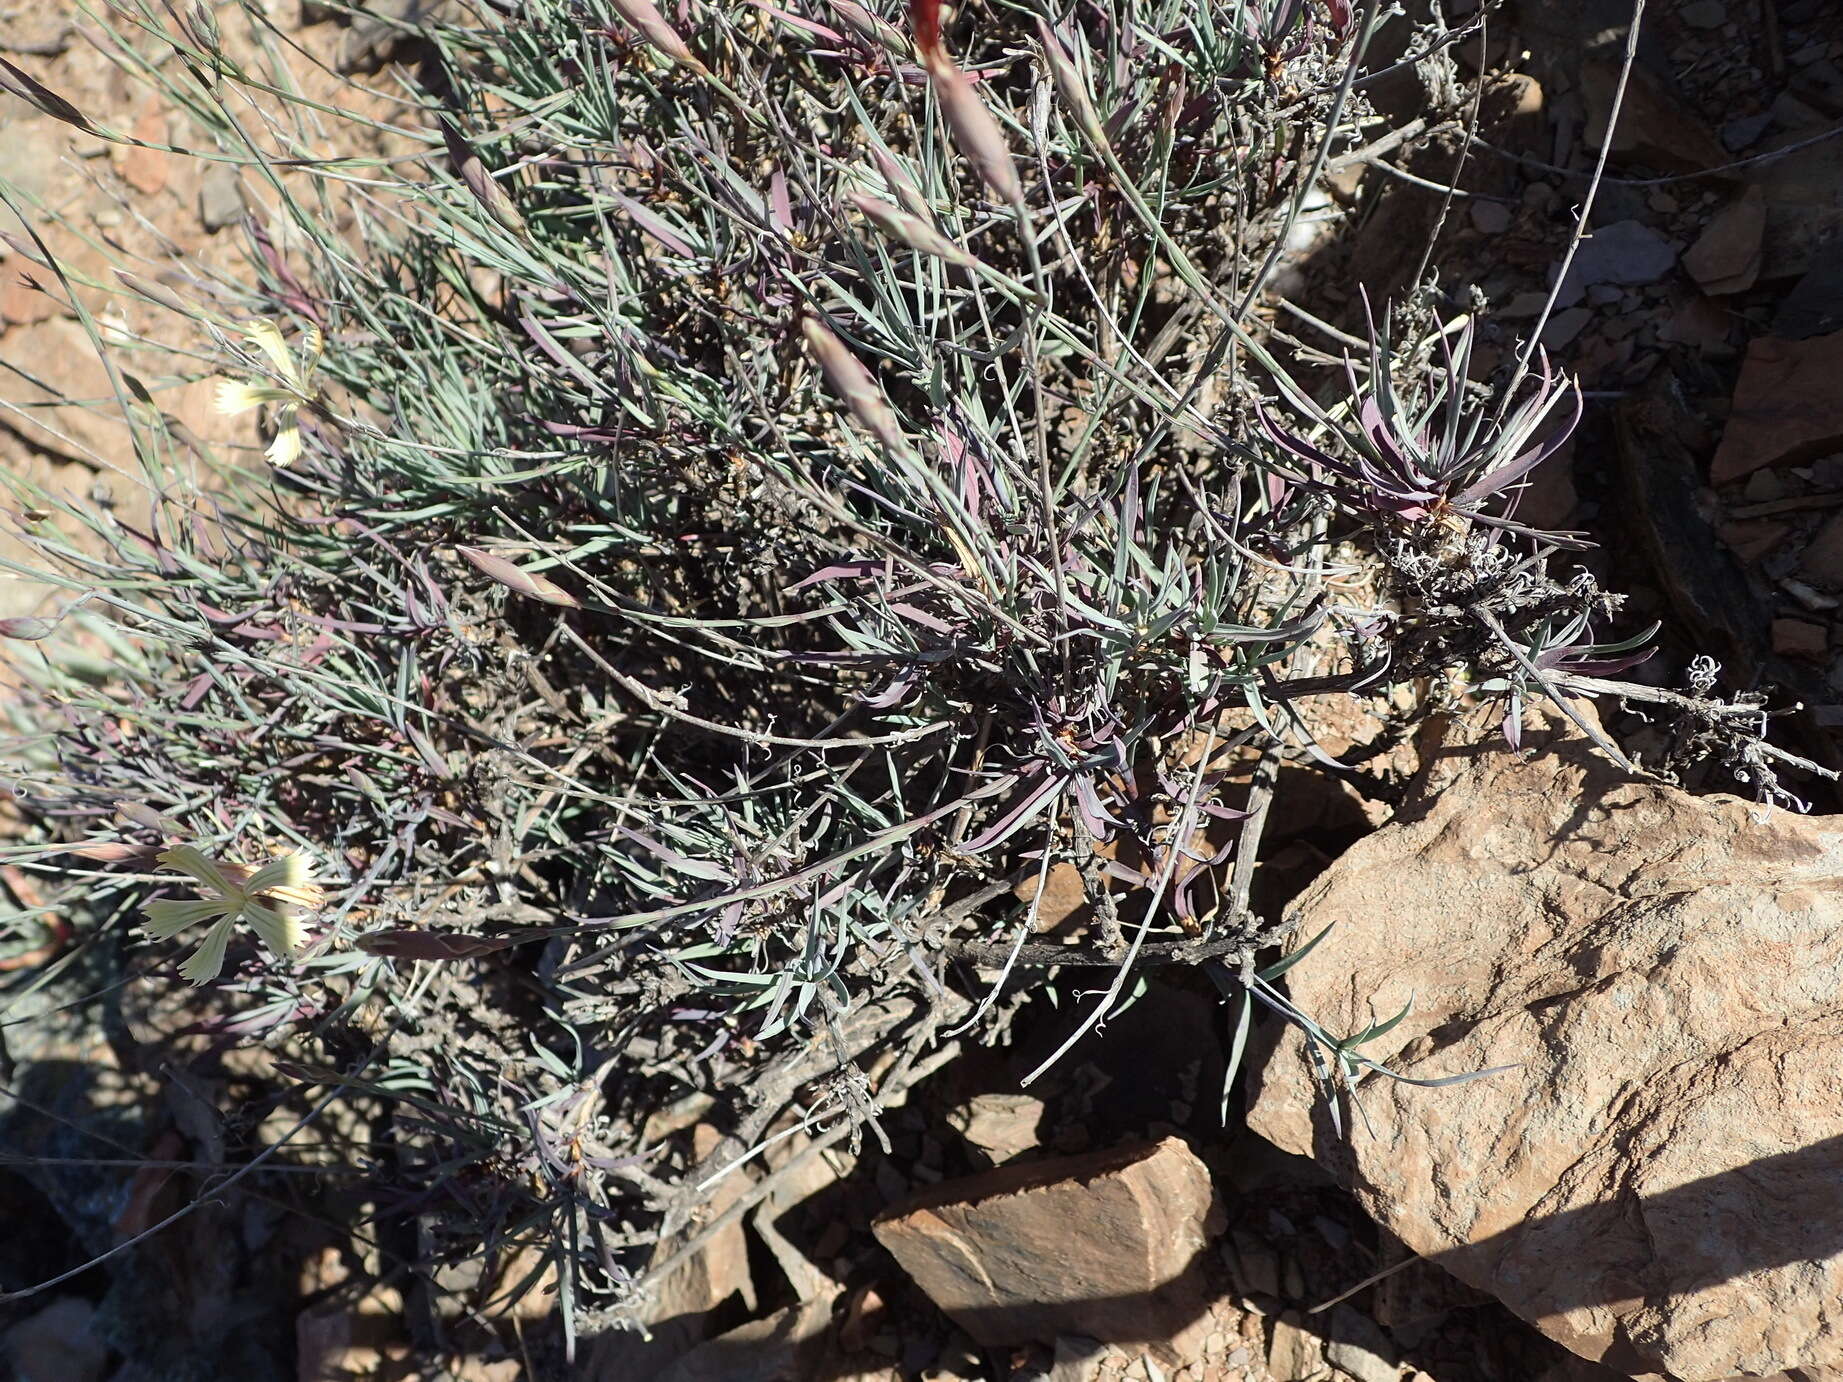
[
  {"x": 1657, "y": 1181},
  {"x": 1787, "y": 406},
  {"x": 1108, "y": 1245}
]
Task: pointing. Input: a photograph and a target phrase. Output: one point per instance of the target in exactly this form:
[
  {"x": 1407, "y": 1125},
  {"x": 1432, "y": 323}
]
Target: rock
[
  {"x": 145, "y": 169},
  {"x": 1786, "y": 409},
  {"x": 220, "y": 198},
  {"x": 1564, "y": 326},
  {"x": 1359, "y": 1348},
  {"x": 1814, "y": 306},
  {"x": 1726, "y": 256},
  {"x": 1700, "y": 324},
  {"x": 1657, "y": 127},
  {"x": 682, "y": 1308},
  {"x": 1524, "y": 305},
  {"x": 1652, "y": 1182},
  {"x": 1801, "y": 638},
  {"x": 1823, "y": 559},
  {"x": 1107, "y": 1244},
  {"x": 57, "y": 1344},
  {"x": 786, "y": 1346},
  {"x": 1754, "y": 538},
  {"x": 1739, "y": 134},
  {"x": 784, "y": 1222},
  {"x": 1002, "y": 1126},
  {"x": 1493, "y": 218},
  {"x": 1804, "y": 202},
  {"x": 1625, "y": 252},
  {"x": 1660, "y": 443},
  {"x": 1256, "y": 1265},
  {"x": 1294, "y": 1355}
]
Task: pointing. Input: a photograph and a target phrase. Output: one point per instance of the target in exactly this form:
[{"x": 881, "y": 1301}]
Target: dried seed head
[
  {"x": 909, "y": 230},
  {"x": 854, "y": 384}
]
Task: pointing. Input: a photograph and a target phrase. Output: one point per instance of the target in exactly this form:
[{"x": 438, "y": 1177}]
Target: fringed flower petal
[
  {"x": 207, "y": 962},
  {"x": 277, "y": 927},
  {"x": 189, "y": 859},
  {"x": 167, "y": 918}
]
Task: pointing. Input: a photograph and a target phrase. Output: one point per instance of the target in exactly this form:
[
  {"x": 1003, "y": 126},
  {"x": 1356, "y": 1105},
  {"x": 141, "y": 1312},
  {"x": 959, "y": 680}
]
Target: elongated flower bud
[
  {"x": 1070, "y": 86},
  {"x": 645, "y": 17},
  {"x": 975, "y": 133},
  {"x": 854, "y": 384},
  {"x": 902, "y": 185},
  {"x": 905, "y": 229},
  {"x": 472, "y": 172},
  {"x": 872, "y": 29},
  {"x": 518, "y": 580}
]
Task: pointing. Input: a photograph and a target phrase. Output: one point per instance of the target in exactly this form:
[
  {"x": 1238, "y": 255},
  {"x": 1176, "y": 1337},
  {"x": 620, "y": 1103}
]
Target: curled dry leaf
[{"x": 518, "y": 580}]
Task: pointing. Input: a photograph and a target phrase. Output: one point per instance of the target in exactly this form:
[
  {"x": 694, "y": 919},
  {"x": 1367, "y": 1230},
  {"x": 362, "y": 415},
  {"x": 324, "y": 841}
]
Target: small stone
[
  {"x": 1827, "y": 472},
  {"x": 1700, "y": 324},
  {"x": 1564, "y": 326},
  {"x": 1800, "y": 638},
  {"x": 1726, "y": 256},
  {"x": 220, "y": 198},
  {"x": 1002, "y": 1126},
  {"x": 1256, "y": 1268},
  {"x": 1739, "y": 134},
  {"x": 1786, "y": 409},
  {"x": 1625, "y": 252},
  {"x": 1764, "y": 486},
  {"x": 1109, "y": 1244},
  {"x": 1814, "y": 600},
  {"x": 1794, "y": 114},
  {"x": 57, "y": 1344},
  {"x": 1294, "y": 1355},
  {"x": 1704, "y": 14},
  {"x": 1492, "y": 218},
  {"x": 1524, "y": 306},
  {"x": 145, "y": 169},
  {"x": 1359, "y": 1348},
  {"x": 1752, "y": 539},
  {"x": 1292, "y": 1279},
  {"x": 1823, "y": 559}
]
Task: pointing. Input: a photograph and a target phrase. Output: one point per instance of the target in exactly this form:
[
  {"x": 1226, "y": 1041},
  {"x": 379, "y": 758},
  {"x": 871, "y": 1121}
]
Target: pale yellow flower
[
  {"x": 270, "y": 898},
  {"x": 290, "y": 389}
]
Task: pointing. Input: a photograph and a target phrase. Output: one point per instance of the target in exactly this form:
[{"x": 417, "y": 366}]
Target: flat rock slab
[
  {"x": 1787, "y": 406},
  {"x": 1655, "y": 1183},
  {"x": 1108, "y": 1245}
]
